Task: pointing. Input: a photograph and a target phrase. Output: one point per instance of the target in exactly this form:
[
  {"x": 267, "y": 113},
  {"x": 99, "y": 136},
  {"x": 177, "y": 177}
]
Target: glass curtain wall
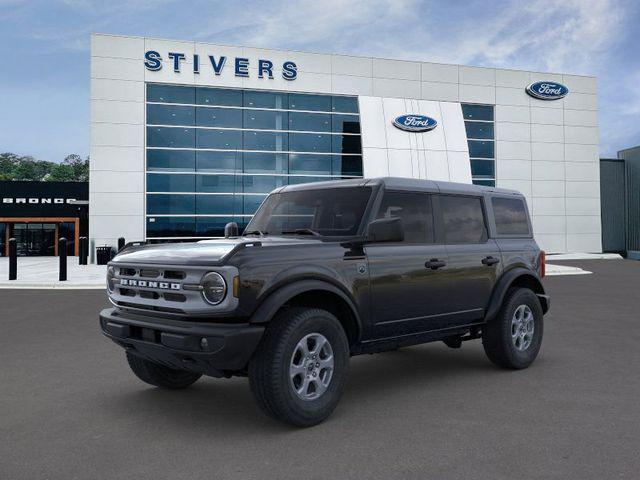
[
  {"x": 480, "y": 127},
  {"x": 214, "y": 153}
]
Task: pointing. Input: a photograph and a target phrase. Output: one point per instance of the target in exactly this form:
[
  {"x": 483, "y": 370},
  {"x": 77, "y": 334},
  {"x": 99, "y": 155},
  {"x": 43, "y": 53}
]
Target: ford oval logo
[
  {"x": 415, "y": 123},
  {"x": 547, "y": 90}
]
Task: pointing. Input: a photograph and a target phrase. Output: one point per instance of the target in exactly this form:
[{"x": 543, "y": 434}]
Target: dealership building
[{"x": 187, "y": 136}]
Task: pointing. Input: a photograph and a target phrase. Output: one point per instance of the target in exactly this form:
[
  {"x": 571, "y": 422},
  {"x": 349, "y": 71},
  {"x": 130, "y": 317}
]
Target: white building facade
[{"x": 188, "y": 136}]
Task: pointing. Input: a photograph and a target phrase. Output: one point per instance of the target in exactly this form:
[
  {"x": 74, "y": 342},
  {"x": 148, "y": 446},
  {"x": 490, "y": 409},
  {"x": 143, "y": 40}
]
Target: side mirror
[
  {"x": 386, "y": 230},
  {"x": 231, "y": 230}
]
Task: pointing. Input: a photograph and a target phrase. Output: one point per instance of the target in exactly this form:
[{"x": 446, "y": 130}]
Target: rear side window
[
  {"x": 415, "y": 211},
  {"x": 463, "y": 219},
  {"x": 511, "y": 216}
]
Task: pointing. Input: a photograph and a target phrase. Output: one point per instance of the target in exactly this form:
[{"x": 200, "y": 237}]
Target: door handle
[
  {"x": 489, "y": 261},
  {"x": 435, "y": 264}
]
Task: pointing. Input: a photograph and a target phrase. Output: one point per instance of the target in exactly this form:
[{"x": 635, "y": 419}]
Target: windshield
[{"x": 333, "y": 212}]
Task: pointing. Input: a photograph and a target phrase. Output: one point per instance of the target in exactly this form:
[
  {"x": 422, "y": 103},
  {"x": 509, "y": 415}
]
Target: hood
[{"x": 205, "y": 252}]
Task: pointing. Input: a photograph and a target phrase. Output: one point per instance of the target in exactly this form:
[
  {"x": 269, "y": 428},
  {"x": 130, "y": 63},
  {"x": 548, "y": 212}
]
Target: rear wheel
[
  {"x": 299, "y": 370},
  {"x": 512, "y": 339},
  {"x": 159, "y": 375}
]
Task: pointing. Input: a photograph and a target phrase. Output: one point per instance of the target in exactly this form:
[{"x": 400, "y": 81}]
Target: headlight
[
  {"x": 214, "y": 288},
  {"x": 111, "y": 272}
]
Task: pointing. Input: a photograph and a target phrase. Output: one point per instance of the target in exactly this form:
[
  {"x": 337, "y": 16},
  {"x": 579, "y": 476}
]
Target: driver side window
[{"x": 414, "y": 209}]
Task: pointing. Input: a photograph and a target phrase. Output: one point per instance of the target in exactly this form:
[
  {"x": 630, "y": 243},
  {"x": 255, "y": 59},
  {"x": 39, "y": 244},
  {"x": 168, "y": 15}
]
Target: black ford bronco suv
[{"x": 328, "y": 270}]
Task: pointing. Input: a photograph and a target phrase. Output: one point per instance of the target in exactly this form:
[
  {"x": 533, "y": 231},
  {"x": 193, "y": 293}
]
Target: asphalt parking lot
[{"x": 71, "y": 409}]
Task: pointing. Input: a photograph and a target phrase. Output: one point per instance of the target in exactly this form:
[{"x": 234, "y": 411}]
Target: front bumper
[{"x": 207, "y": 348}]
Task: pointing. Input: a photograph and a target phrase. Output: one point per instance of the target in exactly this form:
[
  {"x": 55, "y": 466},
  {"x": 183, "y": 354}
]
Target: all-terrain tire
[
  {"x": 498, "y": 333},
  {"x": 159, "y": 375},
  {"x": 269, "y": 369}
]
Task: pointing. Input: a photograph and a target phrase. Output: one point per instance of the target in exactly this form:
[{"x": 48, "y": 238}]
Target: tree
[{"x": 16, "y": 167}]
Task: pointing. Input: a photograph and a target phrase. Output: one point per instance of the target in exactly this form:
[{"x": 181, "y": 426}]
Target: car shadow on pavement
[{"x": 228, "y": 404}]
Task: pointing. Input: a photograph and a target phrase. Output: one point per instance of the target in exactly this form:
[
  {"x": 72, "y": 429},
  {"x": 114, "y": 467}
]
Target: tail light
[{"x": 542, "y": 262}]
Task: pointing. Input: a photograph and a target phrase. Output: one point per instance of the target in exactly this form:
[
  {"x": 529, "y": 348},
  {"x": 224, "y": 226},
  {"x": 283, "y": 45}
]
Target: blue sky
[{"x": 44, "y": 80}]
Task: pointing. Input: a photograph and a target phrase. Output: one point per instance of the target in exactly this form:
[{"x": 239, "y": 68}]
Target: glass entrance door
[{"x": 35, "y": 239}]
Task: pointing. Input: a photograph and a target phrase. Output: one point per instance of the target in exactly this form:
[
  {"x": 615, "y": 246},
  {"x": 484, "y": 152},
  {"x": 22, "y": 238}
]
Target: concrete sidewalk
[{"x": 42, "y": 272}]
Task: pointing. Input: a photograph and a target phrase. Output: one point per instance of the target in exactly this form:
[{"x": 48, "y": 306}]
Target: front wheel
[
  {"x": 299, "y": 370},
  {"x": 512, "y": 339}
]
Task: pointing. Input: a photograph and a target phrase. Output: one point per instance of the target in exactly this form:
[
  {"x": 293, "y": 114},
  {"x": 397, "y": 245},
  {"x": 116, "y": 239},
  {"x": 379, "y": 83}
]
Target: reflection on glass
[{"x": 174, "y": 160}]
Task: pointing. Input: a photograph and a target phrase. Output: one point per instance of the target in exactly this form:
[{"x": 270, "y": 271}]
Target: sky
[{"x": 44, "y": 77}]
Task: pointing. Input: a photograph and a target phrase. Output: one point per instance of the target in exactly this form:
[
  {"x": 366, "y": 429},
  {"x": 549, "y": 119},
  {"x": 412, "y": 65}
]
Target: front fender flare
[
  {"x": 506, "y": 281},
  {"x": 275, "y": 300}
]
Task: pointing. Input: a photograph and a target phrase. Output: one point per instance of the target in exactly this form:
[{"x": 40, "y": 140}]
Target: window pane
[
  {"x": 296, "y": 180},
  {"x": 162, "y": 182},
  {"x": 170, "y": 94},
  {"x": 310, "y": 142},
  {"x": 265, "y": 99},
  {"x": 310, "y": 122},
  {"x": 265, "y": 120},
  {"x": 511, "y": 216},
  {"x": 251, "y": 203},
  {"x": 345, "y": 123},
  {"x": 477, "y": 112},
  {"x": 218, "y": 161},
  {"x": 315, "y": 164},
  {"x": 347, "y": 165},
  {"x": 347, "y": 144},
  {"x": 218, "y": 184},
  {"x": 223, "y": 139},
  {"x": 179, "y": 160},
  {"x": 169, "y": 115},
  {"x": 219, "y": 97},
  {"x": 485, "y": 183},
  {"x": 218, "y": 204},
  {"x": 170, "y": 137},
  {"x": 214, "y": 226},
  {"x": 167, "y": 204},
  {"x": 265, "y": 141},
  {"x": 262, "y": 183},
  {"x": 414, "y": 209},
  {"x": 463, "y": 219},
  {"x": 345, "y": 104},
  {"x": 479, "y": 129},
  {"x": 316, "y": 103},
  {"x": 171, "y": 227},
  {"x": 260, "y": 162},
  {"x": 219, "y": 117},
  {"x": 482, "y": 168},
  {"x": 481, "y": 149}
]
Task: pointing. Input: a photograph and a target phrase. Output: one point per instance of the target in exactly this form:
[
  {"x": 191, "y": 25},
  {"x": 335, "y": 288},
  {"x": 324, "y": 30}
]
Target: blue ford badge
[
  {"x": 547, "y": 90},
  {"x": 415, "y": 123}
]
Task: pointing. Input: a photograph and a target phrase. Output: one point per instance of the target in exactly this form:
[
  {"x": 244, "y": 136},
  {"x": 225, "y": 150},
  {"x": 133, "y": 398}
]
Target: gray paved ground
[{"x": 69, "y": 407}]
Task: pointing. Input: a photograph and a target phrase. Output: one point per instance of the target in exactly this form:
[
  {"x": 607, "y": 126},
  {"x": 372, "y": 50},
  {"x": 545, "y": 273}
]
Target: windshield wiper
[
  {"x": 301, "y": 231},
  {"x": 255, "y": 232}
]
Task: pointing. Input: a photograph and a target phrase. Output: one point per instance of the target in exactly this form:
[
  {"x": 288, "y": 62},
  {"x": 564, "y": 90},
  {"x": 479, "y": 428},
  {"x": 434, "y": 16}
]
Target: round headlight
[
  {"x": 214, "y": 288},
  {"x": 111, "y": 272}
]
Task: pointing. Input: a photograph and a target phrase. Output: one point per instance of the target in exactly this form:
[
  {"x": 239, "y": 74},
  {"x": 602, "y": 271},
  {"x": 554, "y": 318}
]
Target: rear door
[
  {"x": 474, "y": 259},
  {"x": 407, "y": 293}
]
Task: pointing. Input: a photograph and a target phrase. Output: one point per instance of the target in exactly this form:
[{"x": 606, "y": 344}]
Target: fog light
[{"x": 204, "y": 344}]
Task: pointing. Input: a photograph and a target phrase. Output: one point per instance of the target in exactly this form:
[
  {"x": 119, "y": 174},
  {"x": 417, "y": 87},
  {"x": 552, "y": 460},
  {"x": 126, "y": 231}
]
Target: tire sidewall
[
  {"x": 518, "y": 358},
  {"x": 328, "y": 326}
]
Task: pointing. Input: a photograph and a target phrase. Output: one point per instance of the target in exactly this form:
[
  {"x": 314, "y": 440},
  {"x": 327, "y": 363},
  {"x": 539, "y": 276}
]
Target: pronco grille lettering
[{"x": 127, "y": 282}]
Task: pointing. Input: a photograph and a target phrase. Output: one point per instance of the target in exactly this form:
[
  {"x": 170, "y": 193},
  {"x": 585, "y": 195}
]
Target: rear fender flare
[{"x": 515, "y": 275}]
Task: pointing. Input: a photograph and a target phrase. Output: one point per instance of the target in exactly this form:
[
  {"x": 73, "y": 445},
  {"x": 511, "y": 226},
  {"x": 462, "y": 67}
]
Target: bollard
[
  {"x": 121, "y": 243},
  {"x": 13, "y": 259},
  {"x": 82, "y": 251},
  {"x": 62, "y": 253},
  {"x": 85, "y": 260}
]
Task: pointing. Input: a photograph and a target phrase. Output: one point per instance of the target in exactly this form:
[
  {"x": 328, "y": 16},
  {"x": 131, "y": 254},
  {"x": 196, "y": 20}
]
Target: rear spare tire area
[
  {"x": 299, "y": 369},
  {"x": 513, "y": 338},
  {"x": 159, "y": 375}
]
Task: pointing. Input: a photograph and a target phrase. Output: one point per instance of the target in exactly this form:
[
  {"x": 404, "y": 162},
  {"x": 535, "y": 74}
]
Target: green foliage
[{"x": 15, "y": 167}]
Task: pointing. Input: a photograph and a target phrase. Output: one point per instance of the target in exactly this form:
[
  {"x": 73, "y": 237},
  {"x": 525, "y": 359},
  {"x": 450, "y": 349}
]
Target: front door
[
  {"x": 407, "y": 288},
  {"x": 35, "y": 239}
]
